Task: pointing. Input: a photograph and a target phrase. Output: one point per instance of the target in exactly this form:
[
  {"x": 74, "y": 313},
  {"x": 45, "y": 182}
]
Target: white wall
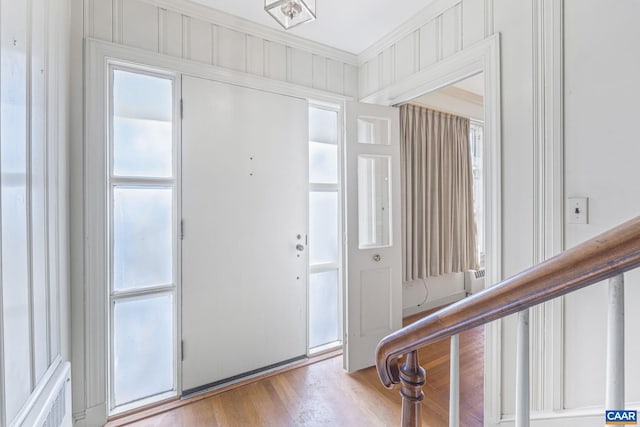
[
  {"x": 601, "y": 93},
  {"x": 34, "y": 324}
]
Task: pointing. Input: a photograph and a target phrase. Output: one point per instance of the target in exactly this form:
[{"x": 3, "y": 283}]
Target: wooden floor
[{"x": 322, "y": 394}]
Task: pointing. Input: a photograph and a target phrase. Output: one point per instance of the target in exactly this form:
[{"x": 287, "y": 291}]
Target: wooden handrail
[{"x": 604, "y": 256}]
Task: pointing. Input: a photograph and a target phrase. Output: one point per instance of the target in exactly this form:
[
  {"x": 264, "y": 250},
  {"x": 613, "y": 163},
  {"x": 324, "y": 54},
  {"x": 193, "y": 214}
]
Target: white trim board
[
  {"x": 547, "y": 320},
  {"x": 95, "y": 48}
]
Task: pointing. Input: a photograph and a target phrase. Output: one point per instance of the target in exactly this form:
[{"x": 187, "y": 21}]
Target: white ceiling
[
  {"x": 464, "y": 98},
  {"x": 350, "y": 25},
  {"x": 473, "y": 84}
]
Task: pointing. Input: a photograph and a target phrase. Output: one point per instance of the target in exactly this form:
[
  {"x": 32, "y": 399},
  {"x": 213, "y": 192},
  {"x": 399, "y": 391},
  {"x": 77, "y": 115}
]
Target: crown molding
[
  {"x": 463, "y": 95},
  {"x": 237, "y": 23},
  {"x": 433, "y": 10}
]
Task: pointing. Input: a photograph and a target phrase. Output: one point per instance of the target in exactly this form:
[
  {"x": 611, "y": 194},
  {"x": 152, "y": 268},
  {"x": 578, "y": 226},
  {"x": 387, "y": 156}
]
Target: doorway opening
[
  {"x": 453, "y": 116},
  {"x": 463, "y": 99}
]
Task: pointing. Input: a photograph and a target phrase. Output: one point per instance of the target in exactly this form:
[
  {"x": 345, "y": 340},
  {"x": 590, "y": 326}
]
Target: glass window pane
[
  {"x": 374, "y": 193},
  {"x": 323, "y": 227},
  {"x": 323, "y": 308},
  {"x": 142, "y": 147},
  {"x": 142, "y": 347},
  {"x": 323, "y": 163},
  {"x": 142, "y": 125},
  {"x": 323, "y": 125},
  {"x": 14, "y": 212},
  {"x": 142, "y": 237},
  {"x": 373, "y": 130}
]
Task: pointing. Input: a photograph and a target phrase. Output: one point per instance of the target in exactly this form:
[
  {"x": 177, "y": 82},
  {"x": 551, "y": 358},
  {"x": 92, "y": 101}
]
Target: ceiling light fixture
[{"x": 291, "y": 13}]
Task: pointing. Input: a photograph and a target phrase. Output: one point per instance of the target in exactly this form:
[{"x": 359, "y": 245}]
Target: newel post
[{"x": 412, "y": 377}]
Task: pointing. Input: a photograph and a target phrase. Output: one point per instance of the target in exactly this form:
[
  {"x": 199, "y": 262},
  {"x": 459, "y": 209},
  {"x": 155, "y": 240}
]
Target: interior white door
[
  {"x": 374, "y": 254},
  {"x": 244, "y": 210}
]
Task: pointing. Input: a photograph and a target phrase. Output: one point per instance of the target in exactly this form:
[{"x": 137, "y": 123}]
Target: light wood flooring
[{"x": 323, "y": 394}]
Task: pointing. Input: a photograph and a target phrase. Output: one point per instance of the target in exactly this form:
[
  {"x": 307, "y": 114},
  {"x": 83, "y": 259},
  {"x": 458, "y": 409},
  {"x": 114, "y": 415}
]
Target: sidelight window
[
  {"x": 142, "y": 213},
  {"x": 325, "y": 271}
]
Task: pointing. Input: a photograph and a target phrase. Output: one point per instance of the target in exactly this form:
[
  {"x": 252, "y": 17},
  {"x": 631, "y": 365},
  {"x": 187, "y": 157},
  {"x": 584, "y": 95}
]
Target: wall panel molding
[
  {"x": 441, "y": 30},
  {"x": 431, "y": 12},
  {"x": 116, "y": 20},
  {"x": 236, "y": 23},
  {"x": 35, "y": 46},
  {"x": 547, "y": 320},
  {"x": 489, "y": 18}
]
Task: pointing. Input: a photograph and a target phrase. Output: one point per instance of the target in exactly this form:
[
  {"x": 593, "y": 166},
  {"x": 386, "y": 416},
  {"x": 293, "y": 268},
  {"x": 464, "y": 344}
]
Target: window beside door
[
  {"x": 142, "y": 211},
  {"x": 325, "y": 252}
]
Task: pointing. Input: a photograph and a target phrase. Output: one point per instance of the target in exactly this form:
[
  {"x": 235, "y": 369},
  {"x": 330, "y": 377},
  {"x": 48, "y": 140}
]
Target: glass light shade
[{"x": 290, "y": 13}]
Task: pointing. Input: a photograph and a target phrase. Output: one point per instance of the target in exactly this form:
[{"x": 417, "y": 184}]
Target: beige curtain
[{"x": 438, "y": 224}]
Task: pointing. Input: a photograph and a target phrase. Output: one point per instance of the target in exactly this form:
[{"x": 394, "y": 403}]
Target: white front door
[
  {"x": 374, "y": 254},
  {"x": 244, "y": 210}
]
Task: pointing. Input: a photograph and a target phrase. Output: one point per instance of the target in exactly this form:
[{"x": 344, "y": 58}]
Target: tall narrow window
[
  {"x": 476, "y": 131},
  {"x": 325, "y": 272},
  {"x": 143, "y": 239}
]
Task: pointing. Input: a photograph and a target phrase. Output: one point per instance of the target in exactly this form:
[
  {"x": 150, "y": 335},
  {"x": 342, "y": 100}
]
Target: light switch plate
[{"x": 578, "y": 210}]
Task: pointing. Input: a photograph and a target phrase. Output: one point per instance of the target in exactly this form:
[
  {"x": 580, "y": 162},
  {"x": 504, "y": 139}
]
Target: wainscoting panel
[
  {"x": 139, "y": 23},
  {"x": 438, "y": 32},
  {"x": 186, "y": 30},
  {"x": 200, "y": 37}
]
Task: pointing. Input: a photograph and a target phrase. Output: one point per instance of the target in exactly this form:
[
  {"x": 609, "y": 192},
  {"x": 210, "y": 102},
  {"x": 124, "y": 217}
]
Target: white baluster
[
  {"x": 522, "y": 370},
  {"x": 615, "y": 344},
  {"x": 454, "y": 382}
]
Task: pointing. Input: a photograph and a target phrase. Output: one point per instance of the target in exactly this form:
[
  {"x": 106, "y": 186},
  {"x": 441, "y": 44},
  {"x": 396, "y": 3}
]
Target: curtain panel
[{"x": 438, "y": 222}]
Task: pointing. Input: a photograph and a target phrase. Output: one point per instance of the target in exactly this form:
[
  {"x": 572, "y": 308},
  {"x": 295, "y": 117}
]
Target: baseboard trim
[
  {"x": 95, "y": 416},
  {"x": 410, "y": 311},
  {"x": 569, "y": 417}
]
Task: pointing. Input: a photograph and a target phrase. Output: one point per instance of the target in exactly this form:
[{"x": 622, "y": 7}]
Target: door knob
[
  {"x": 377, "y": 257},
  {"x": 299, "y": 247}
]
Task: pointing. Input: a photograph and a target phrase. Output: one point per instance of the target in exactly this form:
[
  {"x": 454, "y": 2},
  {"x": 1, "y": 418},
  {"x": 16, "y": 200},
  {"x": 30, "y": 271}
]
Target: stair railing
[{"x": 605, "y": 256}]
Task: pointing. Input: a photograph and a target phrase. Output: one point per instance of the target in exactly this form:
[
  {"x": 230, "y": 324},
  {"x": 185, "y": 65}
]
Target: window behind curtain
[{"x": 476, "y": 136}]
